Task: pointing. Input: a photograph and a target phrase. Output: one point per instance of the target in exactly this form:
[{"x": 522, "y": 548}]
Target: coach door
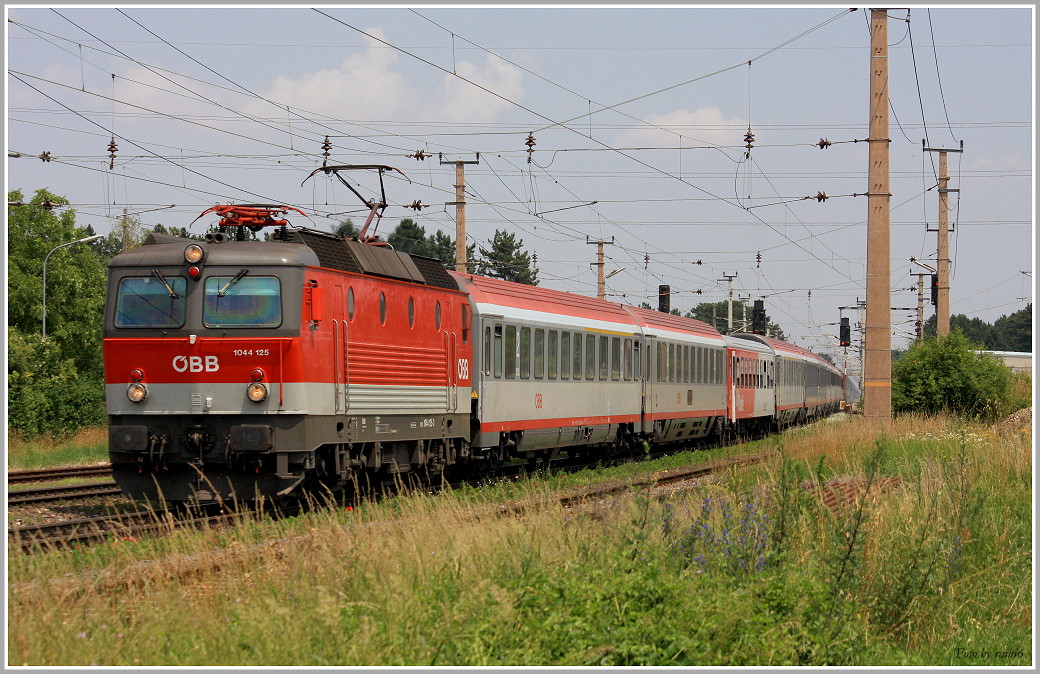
[{"x": 647, "y": 370}]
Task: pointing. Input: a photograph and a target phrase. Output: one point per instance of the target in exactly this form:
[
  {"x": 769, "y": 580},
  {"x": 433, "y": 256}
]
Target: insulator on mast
[
  {"x": 749, "y": 141},
  {"x": 325, "y": 147},
  {"x": 530, "y": 146},
  {"x": 112, "y": 148}
]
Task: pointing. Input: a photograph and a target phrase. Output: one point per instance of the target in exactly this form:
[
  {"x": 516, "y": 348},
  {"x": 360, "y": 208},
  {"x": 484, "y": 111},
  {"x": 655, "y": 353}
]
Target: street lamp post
[{"x": 83, "y": 240}]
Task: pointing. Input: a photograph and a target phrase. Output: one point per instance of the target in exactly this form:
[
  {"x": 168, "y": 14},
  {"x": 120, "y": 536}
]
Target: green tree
[
  {"x": 409, "y": 237},
  {"x": 75, "y": 278},
  {"x": 346, "y": 229},
  {"x": 975, "y": 329},
  {"x": 506, "y": 259},
  {"x": 54, "y": 383},
  {"x": 182, "y": 232},
  {"x": 1015, "y": 332},
  {"x": 947, "y": 375},
  {"x": 442, "y": 247}
]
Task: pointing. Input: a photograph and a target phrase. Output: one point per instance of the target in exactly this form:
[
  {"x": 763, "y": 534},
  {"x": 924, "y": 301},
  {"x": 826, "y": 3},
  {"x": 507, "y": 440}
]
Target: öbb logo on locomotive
[
  {"x": 195, "y": 364},
  {"x": 327, "y": 333}
]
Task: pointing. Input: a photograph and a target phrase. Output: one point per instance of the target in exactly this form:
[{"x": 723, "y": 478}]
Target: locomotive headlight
[
  {"x": 137, "y": 392},
  {"x": 193, "y": 254},
  {"x": 256, "y": 392}
]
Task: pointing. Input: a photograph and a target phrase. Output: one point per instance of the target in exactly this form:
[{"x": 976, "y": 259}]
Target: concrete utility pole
[
  {"x": 877, "y": 366},
  {"x": 942, "y": 302},
  {"x": 460, "y": 209},
  {"x": 601, "y": 283},
  {"x": 729, "y": 315}
]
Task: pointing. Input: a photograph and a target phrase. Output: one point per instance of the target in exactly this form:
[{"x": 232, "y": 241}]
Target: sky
[{"x": 638, "y": 116}]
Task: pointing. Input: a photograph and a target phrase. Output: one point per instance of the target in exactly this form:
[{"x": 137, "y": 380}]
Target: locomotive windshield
[
  {"x": 150, "y": 302},
  {"x": 242, "y": 301}
]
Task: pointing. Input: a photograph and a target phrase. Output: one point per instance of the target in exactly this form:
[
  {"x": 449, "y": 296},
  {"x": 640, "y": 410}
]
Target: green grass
[
  {"x": 745, "y": 569},
  {"x": 89, "y": 445}
]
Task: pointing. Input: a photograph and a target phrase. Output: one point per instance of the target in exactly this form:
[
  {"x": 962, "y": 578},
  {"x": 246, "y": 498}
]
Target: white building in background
[{"x": 1018, "y": 361}]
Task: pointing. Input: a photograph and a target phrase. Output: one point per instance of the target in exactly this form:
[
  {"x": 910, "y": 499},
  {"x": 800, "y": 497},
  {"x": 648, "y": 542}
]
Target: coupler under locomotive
[{"x": 174, "y": 459}]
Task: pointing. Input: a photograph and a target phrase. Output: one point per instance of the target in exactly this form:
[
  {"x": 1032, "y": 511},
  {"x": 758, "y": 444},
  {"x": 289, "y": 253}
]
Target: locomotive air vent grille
[
  {"x": 435, "y": 273},
  {"x": 331, "y": 250},
  {"x": 382, "y": 261}
]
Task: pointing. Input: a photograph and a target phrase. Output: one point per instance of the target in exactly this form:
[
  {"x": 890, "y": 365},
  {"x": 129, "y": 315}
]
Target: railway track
[
  {"x": 51, "y": 474},
  {"x": 67, "y": 492},
  {"x": 91, "y": 530},
  {"x": 87, "y": 531}
]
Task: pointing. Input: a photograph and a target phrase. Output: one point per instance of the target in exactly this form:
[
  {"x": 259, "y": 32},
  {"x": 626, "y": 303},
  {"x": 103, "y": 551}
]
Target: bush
[
  {"x": 46, "y": 393},
  {"x": 947, "y": 375}
]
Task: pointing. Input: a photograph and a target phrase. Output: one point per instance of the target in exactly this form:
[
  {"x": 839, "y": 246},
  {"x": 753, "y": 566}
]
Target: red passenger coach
[
  {"x": 806, "y": 386},
  {"x": 749, "y": 383}
]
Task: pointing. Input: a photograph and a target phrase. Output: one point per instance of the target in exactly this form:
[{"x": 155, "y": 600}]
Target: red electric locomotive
[{"x": 239, "y": 368}]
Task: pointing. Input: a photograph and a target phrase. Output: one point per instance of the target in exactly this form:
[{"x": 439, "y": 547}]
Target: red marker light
[
  {"x": 193, "y": 272},
  {"x": 257, "y": 375},
  {"x": 136, "y": 375}
]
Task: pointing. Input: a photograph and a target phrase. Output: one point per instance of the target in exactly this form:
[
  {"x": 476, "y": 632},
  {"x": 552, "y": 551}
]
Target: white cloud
[
  {"x": 707, "y": 125},
  {"x": 1007, "y": 162},
  {"x": 459, "y": 101},
  {"x": 364, "y": 86},
  {"x": 371, "y": 85}
]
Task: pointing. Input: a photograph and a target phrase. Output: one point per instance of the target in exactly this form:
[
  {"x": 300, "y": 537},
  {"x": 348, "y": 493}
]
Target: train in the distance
[{"x": 244, "y": 369}]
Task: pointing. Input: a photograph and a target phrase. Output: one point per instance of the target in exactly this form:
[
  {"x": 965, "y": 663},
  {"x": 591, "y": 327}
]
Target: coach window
[
  {"x": 487, "y": 350},
  {"x": 411, "y": 312},
  {"x": 636, "y": 363},
  {"x": 671, "y": 362},
  {"x": 539, "y": 353},
  {"x": 554, "y": 353},
  {"x": 525, "y": 353},
  {"x": 437, "y": 316},
  {"x": 604, "y": 357},
  {"x": 590, "y": 357},
  {"x": 510, "y": 354},
  {"x": 615, "y": 359},
  {"x": 350, "y": 303},
  {"x": 628, "y": 360},
  {"x": 576, "y": 360},
  {"x": 565, "y": 355},
  {"x": 498, "y": 350}
]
